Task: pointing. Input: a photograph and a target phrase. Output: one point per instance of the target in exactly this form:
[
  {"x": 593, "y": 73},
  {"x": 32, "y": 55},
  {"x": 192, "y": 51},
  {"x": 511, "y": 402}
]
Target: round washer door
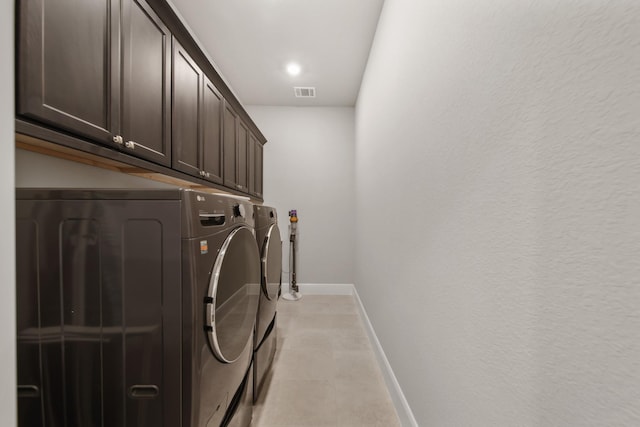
[
  {"x": 272, "y": 263},
  {"x": 234, "y": 289}
]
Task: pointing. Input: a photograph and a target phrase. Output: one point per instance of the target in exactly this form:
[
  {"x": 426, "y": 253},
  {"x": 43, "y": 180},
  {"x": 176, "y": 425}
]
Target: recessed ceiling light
[{"x": 293, "y": 69}]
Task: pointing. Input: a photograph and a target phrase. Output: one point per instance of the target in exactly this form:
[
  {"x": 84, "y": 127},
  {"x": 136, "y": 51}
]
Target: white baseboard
[
  {"x": 397, "y": 396},
  {"x": 322, "y": 288}
]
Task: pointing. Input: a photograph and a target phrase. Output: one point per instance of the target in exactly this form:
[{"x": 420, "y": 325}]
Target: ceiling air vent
[{"x": 305, "y": 92}]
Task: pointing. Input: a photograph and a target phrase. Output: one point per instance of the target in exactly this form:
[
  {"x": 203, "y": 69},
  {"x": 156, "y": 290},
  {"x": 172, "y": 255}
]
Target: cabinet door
[
  {"x": 146, "y": 83},
  {"x": 212, "y": 133},
  {"x": 230, "y": 132},
  {"x": 187, "y": 91},
  {"x": 252, "y": 162},
  {"x": 258, "y": 170},
  {"x": 67, "y": 73},
  {"x": 255, "y": 166},
  {"x": 242, "y": 160}
]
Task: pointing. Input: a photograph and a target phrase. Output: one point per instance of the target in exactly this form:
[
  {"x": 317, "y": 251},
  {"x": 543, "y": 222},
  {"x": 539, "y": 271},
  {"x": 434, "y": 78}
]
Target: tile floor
[{"x": 325, "y": 372}]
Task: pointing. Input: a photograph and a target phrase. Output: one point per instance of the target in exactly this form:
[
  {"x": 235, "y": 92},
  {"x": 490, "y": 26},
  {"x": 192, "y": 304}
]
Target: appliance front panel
[{"x": 232, "y": 301}]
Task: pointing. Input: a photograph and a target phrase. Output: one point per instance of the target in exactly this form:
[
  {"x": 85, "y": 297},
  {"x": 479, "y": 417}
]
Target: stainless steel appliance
[
  {"x": 270, "y": 244},
  {"x": 134, "y": 308},
  {"x": 220, "y": 300}
]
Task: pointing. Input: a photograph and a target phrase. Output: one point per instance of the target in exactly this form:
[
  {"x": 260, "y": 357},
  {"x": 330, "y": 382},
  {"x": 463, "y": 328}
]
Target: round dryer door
[
  {"x": 233, "y": 294},
  {"x": 272, "y": 263}
]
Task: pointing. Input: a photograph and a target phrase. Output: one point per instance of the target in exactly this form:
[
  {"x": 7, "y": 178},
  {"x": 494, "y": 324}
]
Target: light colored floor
[{"x": 325, "y": 372}]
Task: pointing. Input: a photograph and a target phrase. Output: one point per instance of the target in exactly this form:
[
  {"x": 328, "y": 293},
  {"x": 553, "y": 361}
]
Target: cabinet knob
[
  {"x": 118, "y": 139},
  {"x": 130, "y": 144}
]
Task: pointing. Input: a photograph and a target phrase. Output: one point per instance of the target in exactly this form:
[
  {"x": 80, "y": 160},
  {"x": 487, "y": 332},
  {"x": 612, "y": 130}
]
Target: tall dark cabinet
[{"x": 100, "y": 69}]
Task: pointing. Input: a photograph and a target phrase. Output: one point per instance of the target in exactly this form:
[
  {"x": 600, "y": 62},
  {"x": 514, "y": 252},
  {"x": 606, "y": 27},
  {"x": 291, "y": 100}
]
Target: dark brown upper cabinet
[
  {"x": 236, "y": 151},
  {"x": 255, "y": 166},
  {"x": 242, "y": 159},
  {"x": 125, "y": 80},
  {"x": 68, "y": 75},
  {"x": 146, "y": 83},
  {"x": 251, "y": 159},
  {"x": 98, "y": 69},
  {"x": 197, "y": 110},
  {"x": 187, "y": 94},
  {"x": 230, "y": 138},
  {"x": 212, "y": 133}
]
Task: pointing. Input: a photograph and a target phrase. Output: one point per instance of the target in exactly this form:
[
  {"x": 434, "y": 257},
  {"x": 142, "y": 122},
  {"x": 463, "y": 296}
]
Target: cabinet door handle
[
  {"x": 130, "y": 144},
  {"x": 28, "y": 391},
  {"x": 144, "y": 391},
  {"x": 118, "y": 140}
]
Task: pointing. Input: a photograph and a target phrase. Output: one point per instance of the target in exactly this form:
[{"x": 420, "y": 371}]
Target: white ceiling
[{"x": 251, "y": 42}]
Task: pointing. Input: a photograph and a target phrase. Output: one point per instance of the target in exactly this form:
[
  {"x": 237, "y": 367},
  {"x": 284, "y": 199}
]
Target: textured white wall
[
  {"x": 7, "y": 220},
  {"x": 309, "y": 166},
  {"x": 498, "y": 205}
]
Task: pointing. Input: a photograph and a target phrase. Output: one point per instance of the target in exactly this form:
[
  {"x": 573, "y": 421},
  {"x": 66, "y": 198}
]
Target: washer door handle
[{"x": 210, "y": 314}]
